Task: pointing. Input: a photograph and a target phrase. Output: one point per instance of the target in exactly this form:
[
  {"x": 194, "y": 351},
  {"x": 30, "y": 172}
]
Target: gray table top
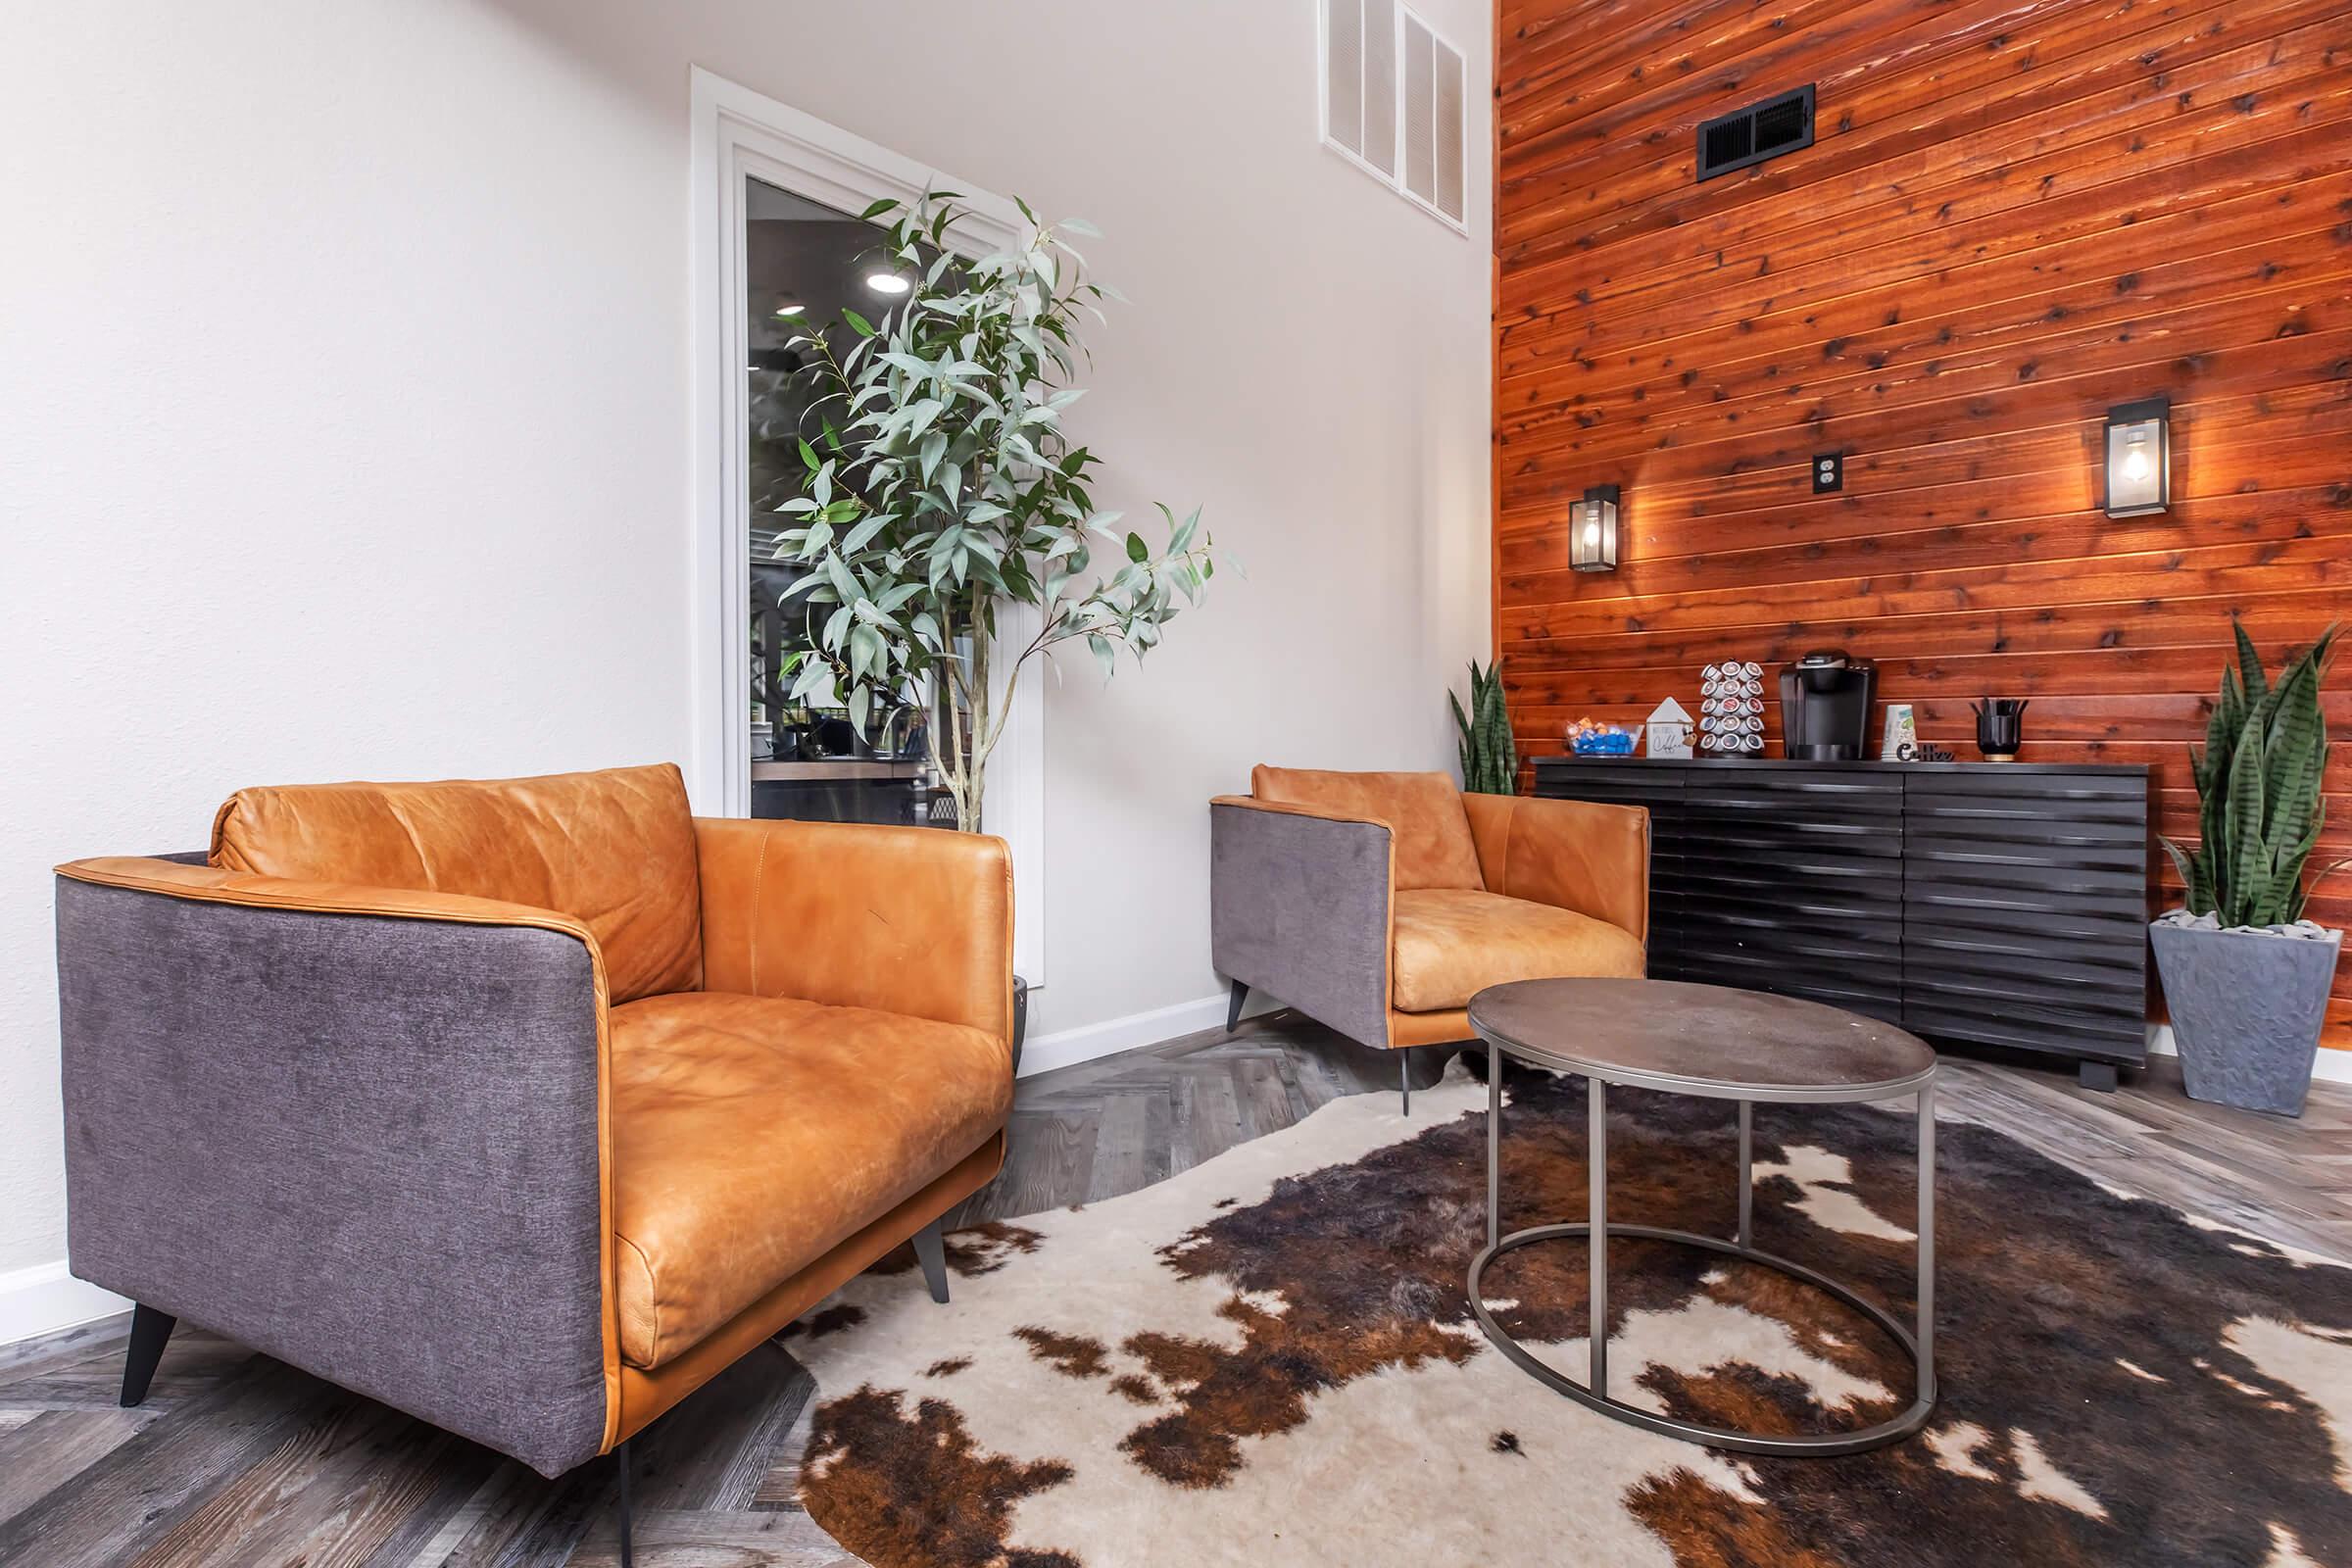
[{"x": 1702, "y": 1040}]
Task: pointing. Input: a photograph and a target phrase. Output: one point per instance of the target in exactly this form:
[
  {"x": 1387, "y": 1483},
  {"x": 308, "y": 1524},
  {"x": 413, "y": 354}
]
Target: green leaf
[
  {"x": 809, "y": 456},
  {"x": 877, "y": 209},
  {"x": 2249, "y": 662},
  {"x": 1137, "y": 550},
  {"x": 2248, "y": 887},
  {"x": 857, "y": 324}
]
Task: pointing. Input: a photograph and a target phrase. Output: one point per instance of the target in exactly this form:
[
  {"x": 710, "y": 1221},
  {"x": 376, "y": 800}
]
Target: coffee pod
[
  {"x": 1712, "y": 673},
  {"x": 1753, "y": 671}
]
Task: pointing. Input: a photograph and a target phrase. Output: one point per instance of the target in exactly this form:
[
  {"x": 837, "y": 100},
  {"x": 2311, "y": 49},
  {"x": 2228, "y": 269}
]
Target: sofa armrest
[
  {"x": 1572, "y": 854},
  {"x": 913, "y": 920},
  {"x": 1300, "y": 906},
  {"x": 361, "y": 1130}
]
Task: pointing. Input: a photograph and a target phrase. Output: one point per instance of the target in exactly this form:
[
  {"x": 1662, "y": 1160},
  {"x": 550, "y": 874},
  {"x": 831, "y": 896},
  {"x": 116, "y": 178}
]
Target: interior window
[{"x": 804, "y": 264}]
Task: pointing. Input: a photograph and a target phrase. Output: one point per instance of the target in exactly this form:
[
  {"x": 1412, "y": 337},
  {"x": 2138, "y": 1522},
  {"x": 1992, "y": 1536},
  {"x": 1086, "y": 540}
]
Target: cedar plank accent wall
[{"x": 2014, "y": 214}]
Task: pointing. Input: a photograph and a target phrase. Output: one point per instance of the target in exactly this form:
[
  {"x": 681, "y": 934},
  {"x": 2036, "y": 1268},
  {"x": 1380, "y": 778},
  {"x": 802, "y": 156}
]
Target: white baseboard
[
  {"x": 1066, "y": 1048},
  {"x": 2331, "y": 1068},
  {"x": 45, "y": 1298}
]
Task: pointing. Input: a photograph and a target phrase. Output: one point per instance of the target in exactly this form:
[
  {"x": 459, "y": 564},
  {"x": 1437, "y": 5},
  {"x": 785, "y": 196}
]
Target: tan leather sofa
[
  {"x": 524, "y": 1105},
  {"x": 1379, "y": 903}
]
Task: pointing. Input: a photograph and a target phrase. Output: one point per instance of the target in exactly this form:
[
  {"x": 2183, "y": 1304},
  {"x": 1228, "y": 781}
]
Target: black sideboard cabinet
[{"x": 2001, "y": 903}]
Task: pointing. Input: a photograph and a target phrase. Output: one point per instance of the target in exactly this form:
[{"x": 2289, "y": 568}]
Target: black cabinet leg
[
  {"x": 150, "y": 1332},
  {"x": 1233, "y": 1010},
  {"x": 2099, "y": 1075},
  {"x": 932, "y": 1252},
  {"x": 620, "y": 1456}
]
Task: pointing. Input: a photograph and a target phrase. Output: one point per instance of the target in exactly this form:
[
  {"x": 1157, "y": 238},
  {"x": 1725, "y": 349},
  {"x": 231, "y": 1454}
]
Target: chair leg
[
  {"x": 620, "y": 1456},
  {"x": 1233, "y": 1010},
  {"x": 1404, "y": 1076},
  {"x": 150, "y": 1332},
  {"x": 932, "y": 1252}
]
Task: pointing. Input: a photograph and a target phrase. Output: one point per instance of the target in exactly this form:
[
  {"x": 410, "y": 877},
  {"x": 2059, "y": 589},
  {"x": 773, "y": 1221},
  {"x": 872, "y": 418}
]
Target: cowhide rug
[{"x": 1269, "y": 1359}]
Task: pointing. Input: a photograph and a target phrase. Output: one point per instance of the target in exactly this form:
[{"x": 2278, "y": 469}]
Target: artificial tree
[{"x": 942, "y": 489}]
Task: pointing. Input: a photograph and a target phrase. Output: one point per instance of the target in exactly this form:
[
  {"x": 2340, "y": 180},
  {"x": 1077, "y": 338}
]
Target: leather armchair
[
  {"x": 524, "y": 1107},
  {"x": 1379, "y": 903}
]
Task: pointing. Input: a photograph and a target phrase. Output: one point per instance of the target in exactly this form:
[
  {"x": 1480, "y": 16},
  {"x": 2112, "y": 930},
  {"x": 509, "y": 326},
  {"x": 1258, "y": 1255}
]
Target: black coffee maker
[{"x": 1824, "y": 705}]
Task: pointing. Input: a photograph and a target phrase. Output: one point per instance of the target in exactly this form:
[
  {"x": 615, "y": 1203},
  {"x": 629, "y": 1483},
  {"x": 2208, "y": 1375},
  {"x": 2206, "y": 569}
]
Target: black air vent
[{"x": 1759, "y": 131}]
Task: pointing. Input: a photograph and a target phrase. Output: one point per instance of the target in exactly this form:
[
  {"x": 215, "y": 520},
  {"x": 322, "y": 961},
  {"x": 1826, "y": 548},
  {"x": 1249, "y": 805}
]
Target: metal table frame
[{"x": 1595, "y": 1391}]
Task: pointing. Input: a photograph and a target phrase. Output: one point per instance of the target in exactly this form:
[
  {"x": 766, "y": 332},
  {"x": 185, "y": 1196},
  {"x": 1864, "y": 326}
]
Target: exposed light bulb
[
  {"x": 887, "y": 283},
  {"x": 2135, "y": 463},
  {"x": 1592, "y": 535}
]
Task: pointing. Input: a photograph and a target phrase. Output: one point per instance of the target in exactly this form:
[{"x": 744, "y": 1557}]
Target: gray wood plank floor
[{"x": 238, "y": 1461}]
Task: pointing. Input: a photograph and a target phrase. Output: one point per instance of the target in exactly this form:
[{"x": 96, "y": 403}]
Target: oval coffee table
[{"x": 1720, "y": 1044}]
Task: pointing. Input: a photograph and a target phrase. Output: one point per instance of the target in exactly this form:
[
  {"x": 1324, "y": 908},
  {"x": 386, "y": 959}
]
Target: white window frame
[{"x": 737, "y": 134}]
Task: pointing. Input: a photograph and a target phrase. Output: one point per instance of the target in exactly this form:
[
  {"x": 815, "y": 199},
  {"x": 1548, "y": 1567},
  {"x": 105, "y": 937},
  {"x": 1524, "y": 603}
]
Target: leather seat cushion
[
  {"x": 1450, "y": 943},
  {"x": 613, "y": 849},
  {"x": 751, "y": 1134},
  {"x": 1429, "y": 831}
]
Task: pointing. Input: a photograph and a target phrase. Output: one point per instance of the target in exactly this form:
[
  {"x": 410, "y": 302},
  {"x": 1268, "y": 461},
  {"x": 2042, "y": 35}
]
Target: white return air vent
[{"x": 1396, "y": 103}]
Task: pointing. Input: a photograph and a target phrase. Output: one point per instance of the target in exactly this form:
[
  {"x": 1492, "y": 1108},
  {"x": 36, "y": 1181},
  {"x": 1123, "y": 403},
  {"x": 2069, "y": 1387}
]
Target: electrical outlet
[{"x": 1829, "y": 473}]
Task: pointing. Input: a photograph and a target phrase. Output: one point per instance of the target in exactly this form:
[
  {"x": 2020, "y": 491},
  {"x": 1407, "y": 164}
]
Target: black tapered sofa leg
[
  {"x": 1404, "y": 1076},
  {"x": 1233, "y": 1010},
  {"x": 150, "y": 1332},
  {"x": 620, "y": 1456},
  {"x": 932, "y": 1252}
]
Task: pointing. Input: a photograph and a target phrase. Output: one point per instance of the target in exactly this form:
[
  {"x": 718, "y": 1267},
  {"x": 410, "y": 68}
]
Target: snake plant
[
  {"x": 1490, "y": 756},
  {"x": 2258, "y": 788}
]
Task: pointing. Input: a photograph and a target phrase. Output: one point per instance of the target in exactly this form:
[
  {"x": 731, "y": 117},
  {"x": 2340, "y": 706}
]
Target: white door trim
[{"x": 738, "y": 133}]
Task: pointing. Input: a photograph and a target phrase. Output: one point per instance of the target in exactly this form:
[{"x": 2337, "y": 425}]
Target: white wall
[{"x": 343, "y": 388}]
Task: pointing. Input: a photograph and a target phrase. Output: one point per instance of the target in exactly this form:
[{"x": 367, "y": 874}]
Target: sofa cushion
[
  {"x": 1451, "y": 943},
  {"x": 613, "y": 849},
  {"x": 1429, "y": 832},
  {"x": 751, "y": 1134}
]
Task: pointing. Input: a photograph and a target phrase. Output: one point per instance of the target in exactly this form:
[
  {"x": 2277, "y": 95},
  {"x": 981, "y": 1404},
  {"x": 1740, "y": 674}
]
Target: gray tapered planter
[{"x": 2246, "y": 1011}]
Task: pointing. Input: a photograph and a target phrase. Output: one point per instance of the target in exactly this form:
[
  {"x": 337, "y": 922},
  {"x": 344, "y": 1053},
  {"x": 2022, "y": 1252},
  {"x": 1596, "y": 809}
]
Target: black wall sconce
[
  {"x": 1592, "y": 530},
  {"x": 2139, "y": 458}
]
